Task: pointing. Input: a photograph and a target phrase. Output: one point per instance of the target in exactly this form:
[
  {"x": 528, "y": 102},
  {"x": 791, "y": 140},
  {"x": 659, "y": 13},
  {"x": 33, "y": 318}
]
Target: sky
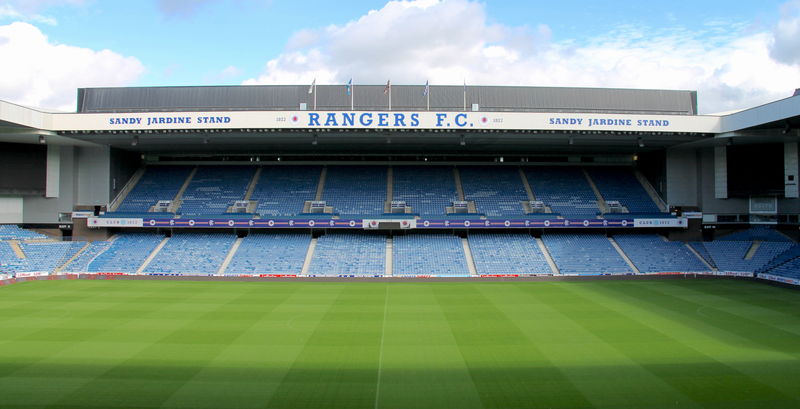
[{"x": 735, "y": 54}]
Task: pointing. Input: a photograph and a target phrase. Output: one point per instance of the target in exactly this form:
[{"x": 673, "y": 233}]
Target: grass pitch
[{"x": 587, "y": 344}]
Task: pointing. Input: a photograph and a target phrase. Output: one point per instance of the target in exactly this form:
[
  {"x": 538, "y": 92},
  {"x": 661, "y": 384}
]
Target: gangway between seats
[
  {"x": 152, "y": 255},
  {"x": 623, "y": 255}
]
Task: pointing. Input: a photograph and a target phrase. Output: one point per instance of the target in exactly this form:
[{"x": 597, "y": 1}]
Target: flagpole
[
  {"x": 315, "y": 94},
  {"x": 352, "y": 95},
  {"x": 465, "y": 95},
  {"x": 427, "y": 97}
]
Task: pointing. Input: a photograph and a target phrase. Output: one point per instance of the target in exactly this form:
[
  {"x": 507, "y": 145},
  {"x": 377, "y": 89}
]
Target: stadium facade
[{"x": 739, "y": 167}]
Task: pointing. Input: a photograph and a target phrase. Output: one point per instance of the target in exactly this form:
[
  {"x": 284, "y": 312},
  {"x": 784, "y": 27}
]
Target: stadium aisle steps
[
  {"x": 623, "y": 255},
  {"x": 152, "y": 255},
  {"x": 253, "y": 182},
  {"x": 459, "y": 187},
  {"x": 71, "y": 259},
  {"x": 323, "y": 177},
  {"x": 229, "y": 256},
  {"x": 601, "y": 202},
  {"x": 309, "y": 256},
  {"x": 389, "y": 256},
  {"x": 468, "y": 255},
  {"x": 134, "y": 180},
  {"x": 547, "y": 256},
  {"x": 699, "y": 257},
  {"x": 527, "y": 185},
  {"x": 15, "y": 247}
]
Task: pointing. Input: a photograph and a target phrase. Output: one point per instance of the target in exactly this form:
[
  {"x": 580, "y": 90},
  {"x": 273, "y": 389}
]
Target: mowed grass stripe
[
  {"x": 658, "y": 346},
  {"x": 752, "y": 305},
  {"x": 337, "y": 367},
  {"x": 465, "y": 345},
  {"x": 162, "y": 366},
  {"x": 607, "y": 377},
  {"x": 506, "y": 366},
  {"x": 422, "y": 365},
  {"x": 254, "y": 364}
]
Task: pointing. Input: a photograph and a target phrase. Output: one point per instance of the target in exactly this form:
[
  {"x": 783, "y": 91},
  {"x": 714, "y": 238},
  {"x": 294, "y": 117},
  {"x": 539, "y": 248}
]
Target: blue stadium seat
[
  {"x": 192, "y": 254},
  {"x": 283, "y": 190},
  {"x": 427, "y": 189},
  {"x": 496, "y": 190},
  {"x": 436, "y": 254},
  {"x": 356, "y": 190},
  {"x": 270, "y": 253},
  {"x": 215, "y": 188},
  {"x": 125, "y": 254},
  {"x": 351, "y": 253},
  {"x": 618, "y": 183},
  {"x": 507, "y": 253},
  {"x": 650, "y": 253},
  {"x": 157, "y": 183},
  {"x": 584, "y": 253},
  {"x": 565, "y": 189}
]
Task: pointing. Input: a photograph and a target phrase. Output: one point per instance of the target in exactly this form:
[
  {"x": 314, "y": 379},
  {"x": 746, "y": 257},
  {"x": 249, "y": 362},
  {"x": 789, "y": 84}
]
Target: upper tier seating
[
  {"x": 507, "y": 253},
  {"x": 270, "y": 253},
  {"x": 437, "y": 254},
  {"x": 584, "y": 253},
  {"x": 615, "y": 183},
  {"x": 564, "y": 189},
  {"x": 351, "y": 253},
  {"x": 157, "y": 183},
  {"x": 651, "y": 254},
  {"x": 730, "y": 255},
  {"x": 283, "y": 190},
  {"x": 761, "y": 233},
  {"x": 214, "y": 188},
  {"x": 356, "y": 190},
  {"x": 192, "y": 253},
  {"x": 496, "y": 190},
  {"x": 427, "y": 189},
  {"x": 126, "y": 253}
]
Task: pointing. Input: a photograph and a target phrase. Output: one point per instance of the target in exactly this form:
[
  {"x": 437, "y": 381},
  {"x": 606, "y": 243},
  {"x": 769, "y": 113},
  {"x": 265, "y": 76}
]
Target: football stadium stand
[
  {"x": 439, "y": 254},
  {"x": 215, "y": 188},
  {"x": 428, "y": 190},
  {"x": 125, "y": 254},
  {"x": 82, "y": 261},
  {"x": 356, "y": 190},
  {"x": 741, "y": 256},
  {"x": 192, "y": 253},
  {"x": 565, "y": 189},
  {"x": 283, "y": 190},
  {"x": 584, "y": 253},
  {"x": 157, "y": 183},
  {"x": 270, "y": 253},
  {"x": 496, "y": 190},
  {"x": 12, "y": 232},
  {"x": 507, "y": 253},
  {"x": 760, "y": 233},
  {"x": 650, "y": 253},
  {"x": 616, "y": 183},
  {"x": 352, "y": 253}
]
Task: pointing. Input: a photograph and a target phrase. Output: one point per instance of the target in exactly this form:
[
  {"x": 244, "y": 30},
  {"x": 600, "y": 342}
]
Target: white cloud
[
  {"x": 8, "y": 12},
  {"x": 448, "y": 41},
  {"x": 39, "y": 73},
  {"x": 786, "y": 46}
]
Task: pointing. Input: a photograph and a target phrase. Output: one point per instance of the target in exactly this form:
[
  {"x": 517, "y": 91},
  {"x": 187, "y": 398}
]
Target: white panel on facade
[
  {"x": 53, "y": 178},
  {"x": 11, "y": 210},
  {"x": 790, "y": 169}
]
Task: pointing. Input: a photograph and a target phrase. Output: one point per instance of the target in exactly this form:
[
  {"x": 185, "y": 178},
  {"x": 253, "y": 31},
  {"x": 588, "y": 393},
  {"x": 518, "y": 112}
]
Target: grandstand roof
[{"x": 372, "y": 97}]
